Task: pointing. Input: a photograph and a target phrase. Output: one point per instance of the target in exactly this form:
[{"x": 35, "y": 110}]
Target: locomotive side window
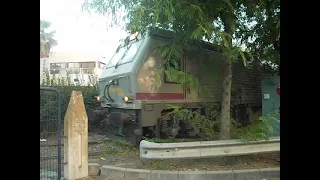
[
  {"x": 124, "y": 55},
  {"x": 173, "y": 65}
]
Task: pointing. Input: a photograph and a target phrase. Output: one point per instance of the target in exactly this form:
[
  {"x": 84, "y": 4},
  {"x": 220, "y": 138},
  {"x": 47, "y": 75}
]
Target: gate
[{"x": 50, "y": 133}]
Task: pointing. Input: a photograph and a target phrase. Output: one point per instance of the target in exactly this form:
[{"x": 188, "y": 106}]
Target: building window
[
  {"x": 88, "y": 65},
  {"x": 81, "y": 67},
  {"x": 56, "y": 68},
  {"x": 87, "y": 70},
  {"x": 73, "y": 68},
  {"x": 73, "y": 65}
]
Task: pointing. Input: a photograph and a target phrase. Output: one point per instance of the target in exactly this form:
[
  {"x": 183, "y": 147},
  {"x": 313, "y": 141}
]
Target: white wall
[{"x": 57, "y": 57}]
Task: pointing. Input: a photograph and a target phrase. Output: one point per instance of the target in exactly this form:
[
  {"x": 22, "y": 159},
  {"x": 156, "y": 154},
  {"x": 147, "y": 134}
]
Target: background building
[{"x": 79, "y": 66}]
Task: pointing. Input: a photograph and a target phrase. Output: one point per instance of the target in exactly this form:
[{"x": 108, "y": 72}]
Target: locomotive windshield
[{"x": 124, "y": 55}]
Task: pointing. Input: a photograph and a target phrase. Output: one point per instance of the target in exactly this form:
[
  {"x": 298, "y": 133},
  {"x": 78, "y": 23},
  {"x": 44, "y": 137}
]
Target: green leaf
[{"x": 244, "y": 59}]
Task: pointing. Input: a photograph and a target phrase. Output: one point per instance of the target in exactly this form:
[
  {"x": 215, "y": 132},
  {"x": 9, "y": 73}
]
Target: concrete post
[{"x": 76, "y": 139}]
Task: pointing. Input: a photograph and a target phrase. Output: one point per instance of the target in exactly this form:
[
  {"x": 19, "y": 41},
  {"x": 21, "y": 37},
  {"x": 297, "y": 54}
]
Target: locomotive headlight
[
  {"x": 97, "y": 98},
  {"x": 127, "y": 99}
]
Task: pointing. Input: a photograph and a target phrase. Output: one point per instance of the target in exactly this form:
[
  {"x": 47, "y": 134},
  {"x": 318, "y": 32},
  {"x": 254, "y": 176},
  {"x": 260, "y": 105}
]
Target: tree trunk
[
  {"x": 225, "y": 117},
  {"x": 44, "y": 50},
  {"x": 225, "y": 121}
]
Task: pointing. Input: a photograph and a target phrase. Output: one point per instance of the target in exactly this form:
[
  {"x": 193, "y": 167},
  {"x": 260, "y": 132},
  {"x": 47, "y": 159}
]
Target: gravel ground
[
  {"x": 122, "y": 155},
  {"x": 49, "y": 150}
]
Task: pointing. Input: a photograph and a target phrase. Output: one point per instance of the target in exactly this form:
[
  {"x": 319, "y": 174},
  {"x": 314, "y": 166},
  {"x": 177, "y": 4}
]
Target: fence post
[{"x": 76, "y": 139}]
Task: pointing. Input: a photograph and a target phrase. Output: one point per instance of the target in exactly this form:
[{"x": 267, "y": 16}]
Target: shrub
[{"x": 259, "y": 129}]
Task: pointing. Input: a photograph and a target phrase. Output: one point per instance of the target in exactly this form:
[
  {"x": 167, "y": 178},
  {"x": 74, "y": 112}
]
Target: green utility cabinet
[{"x": 270, "y": 98}]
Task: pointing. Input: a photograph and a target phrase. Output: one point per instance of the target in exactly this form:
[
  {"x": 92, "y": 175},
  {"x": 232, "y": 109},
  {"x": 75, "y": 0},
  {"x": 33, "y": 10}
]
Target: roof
[{"x": 167, "y": 34}]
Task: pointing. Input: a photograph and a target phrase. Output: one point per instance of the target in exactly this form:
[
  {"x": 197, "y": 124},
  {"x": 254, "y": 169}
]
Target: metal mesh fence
[{"x": 50, "y": 130}]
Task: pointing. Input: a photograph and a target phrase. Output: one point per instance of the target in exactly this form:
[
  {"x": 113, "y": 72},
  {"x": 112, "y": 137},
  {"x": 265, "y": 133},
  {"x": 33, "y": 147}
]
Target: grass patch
[{"x": 117, "y": 147}]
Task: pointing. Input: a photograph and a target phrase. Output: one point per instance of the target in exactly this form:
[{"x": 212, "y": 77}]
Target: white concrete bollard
[{"x": 76, "y": 139}]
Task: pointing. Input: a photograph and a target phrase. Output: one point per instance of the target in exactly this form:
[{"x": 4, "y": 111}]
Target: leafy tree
[
  {"x": 266, "y": 32},
  {"x": 236, "y": 27},
  {"x": 47, "y": 40}
]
